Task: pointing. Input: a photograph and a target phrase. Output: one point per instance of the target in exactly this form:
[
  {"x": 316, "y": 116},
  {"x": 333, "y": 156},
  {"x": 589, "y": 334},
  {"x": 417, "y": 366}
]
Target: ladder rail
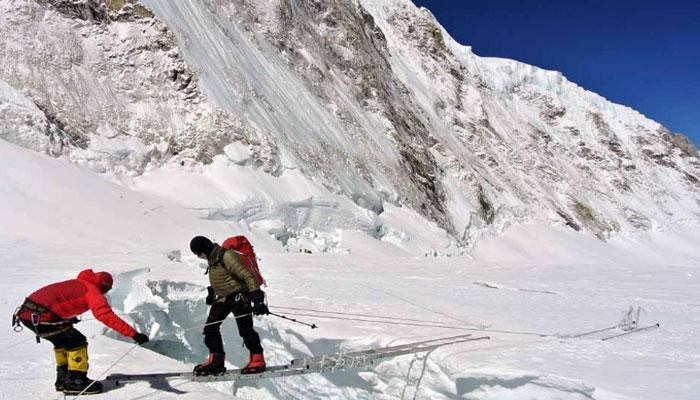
[
  {"x": 313, "y": 359},
  {"x": 356, "y": 362},
  {"x": 384, "y": 353},
  {"x": 332, "y": 362}
]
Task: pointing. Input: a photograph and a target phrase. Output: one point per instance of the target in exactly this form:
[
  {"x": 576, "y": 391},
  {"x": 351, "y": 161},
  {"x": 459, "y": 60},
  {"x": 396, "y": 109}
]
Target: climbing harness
[{"x": 35, "y": 318}]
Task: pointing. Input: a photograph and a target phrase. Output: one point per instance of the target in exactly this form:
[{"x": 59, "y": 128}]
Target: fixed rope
[
  {"x": 503, "y": 346},
  {"x": 426, "y": 325},
  {"x": 213, "y": 322},
  {"x": 355, "y": 314},
  {"x": 407, "y": 301},
  {"x": 587, "y": 333},
  {"x": 114, "y": 364}
]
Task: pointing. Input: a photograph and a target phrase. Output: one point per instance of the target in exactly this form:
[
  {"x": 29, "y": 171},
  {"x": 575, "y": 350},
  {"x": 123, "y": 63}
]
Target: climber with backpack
[
  {"x": 51, "y": 312},
  {"x": 235, "y": 281}
]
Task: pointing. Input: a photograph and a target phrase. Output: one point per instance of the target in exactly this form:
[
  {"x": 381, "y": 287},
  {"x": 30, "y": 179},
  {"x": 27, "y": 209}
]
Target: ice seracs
[{"x": 372, "y": 100}]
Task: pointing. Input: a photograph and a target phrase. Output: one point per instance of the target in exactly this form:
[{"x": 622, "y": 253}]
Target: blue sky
[{"x": 642, "y": 54}]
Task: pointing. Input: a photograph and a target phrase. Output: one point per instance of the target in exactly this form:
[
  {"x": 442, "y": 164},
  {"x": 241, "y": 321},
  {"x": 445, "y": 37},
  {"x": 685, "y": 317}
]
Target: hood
[{"x": 102, "y": 280}]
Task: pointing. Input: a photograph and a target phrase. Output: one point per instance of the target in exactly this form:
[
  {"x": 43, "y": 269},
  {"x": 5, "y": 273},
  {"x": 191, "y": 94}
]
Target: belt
[
  {"x": 236, "y": 297},
  {"x": 32, "y": 305}
]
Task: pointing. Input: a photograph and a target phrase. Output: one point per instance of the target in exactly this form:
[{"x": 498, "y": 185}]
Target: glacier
[
  {"x": 378, "y": 166},
  {"x": 536, "y": 278},
  {"x": 371, "y": 100}
]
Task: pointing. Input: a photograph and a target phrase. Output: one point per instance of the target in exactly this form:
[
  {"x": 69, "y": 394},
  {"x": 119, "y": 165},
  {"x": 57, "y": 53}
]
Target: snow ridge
[{"x": 371, "y": 99}]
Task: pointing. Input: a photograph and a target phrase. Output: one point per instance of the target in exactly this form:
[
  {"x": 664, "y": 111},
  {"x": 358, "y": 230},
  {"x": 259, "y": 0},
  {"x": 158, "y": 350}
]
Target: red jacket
[{"x": 73, "y": 297}]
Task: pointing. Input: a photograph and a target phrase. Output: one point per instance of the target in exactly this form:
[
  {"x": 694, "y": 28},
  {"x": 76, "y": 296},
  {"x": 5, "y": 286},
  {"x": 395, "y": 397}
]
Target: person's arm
[
  {"x": 234, "y": 264},
  {"x": 103, "y": 312}
]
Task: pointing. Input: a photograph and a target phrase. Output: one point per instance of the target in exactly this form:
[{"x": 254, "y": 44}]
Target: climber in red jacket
[{"x": 51, "y": 312}]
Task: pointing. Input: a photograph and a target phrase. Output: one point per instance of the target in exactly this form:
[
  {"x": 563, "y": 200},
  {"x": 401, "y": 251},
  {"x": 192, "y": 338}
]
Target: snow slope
[
  {"x": 371, "y": 100},
  {"x": 379, "y": 168},
  {"x": 58, "y": 218}
]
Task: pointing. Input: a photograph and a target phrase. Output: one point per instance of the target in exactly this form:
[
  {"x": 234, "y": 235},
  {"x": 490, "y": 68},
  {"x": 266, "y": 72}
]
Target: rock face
[
  {"x": 371, "y": 98},
  {"x": 108, "y": 85},
  {"x": 683, "y": 143}
]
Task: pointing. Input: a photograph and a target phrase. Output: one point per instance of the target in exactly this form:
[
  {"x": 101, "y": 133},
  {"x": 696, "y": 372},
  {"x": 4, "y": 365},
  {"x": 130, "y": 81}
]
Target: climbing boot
[
  {"x": 61, "y": 367},
  {"x": 256, "y": 364},
  {"x": 77, "y": 382},
  {"x": 213, "y": 366},
  {"x": 61, "y": 377}
]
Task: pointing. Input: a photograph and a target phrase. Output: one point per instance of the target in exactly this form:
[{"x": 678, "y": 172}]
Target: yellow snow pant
[
  {"x": 61, "y": 356},
  {"x": 78, "y": 359}
]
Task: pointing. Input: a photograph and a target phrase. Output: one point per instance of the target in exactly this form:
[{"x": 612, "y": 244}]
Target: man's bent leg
[
  {"x": 59, "y": 341},
  {"x": 61, "y": 367},
  {"x": 74, "y": 344},
  {"x": 212, "y": 330}
]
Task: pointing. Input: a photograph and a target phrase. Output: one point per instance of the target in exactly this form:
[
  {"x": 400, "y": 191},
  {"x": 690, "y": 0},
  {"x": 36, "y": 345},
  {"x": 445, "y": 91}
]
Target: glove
[
  {"x": 211, "y": 296},
  {"x": 140, "y": 338},
  {"x": 258, "y": 299}
]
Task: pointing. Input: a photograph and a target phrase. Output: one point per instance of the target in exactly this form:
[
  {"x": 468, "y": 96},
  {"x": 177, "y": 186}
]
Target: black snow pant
[
  {"x": 63, "y": 336},
  {"x": 239, "y": 305}
]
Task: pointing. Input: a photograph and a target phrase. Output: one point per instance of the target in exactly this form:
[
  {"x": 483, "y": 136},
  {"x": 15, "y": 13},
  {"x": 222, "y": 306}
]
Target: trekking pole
[
  {"x": 646, "y": 328},
  {"x": 312, "y": 325}
]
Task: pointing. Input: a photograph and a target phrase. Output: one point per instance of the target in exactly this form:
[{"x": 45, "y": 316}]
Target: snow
[
  {"x": 514, "y": 98},
  {"x": 270, "y": 138},
  {"x": 58, "y": 218},
  {"x": 365, "y": 108}
]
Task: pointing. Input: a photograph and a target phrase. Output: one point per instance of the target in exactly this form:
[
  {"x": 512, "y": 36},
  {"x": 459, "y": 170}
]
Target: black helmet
[{"x": 201, "y": 245}]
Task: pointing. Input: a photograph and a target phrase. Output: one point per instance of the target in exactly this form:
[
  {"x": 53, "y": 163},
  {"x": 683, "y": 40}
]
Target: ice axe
[{"x": 312, "y": 325}]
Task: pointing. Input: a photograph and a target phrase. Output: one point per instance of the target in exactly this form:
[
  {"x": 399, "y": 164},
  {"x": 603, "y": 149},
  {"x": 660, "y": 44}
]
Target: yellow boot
[
  {"x": 61, "y": 367},
  {"x": 77, "y": 381}
]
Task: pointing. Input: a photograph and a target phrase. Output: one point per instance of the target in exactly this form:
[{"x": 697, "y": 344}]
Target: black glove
[
  {"x": 140, "y": 338},
  {"x": 258, "y": 299},
  {"x": 211, "y": 296}
]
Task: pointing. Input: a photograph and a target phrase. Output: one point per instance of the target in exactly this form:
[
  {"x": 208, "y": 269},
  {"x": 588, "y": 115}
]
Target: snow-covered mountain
[
  {"x": 371, "y": 101},
  {"x": 360, "y": 132},
  {"x": 57, "y": 219}
]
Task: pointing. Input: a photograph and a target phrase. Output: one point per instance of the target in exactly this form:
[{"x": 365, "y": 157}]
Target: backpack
[{"x": 243, "y": 248}]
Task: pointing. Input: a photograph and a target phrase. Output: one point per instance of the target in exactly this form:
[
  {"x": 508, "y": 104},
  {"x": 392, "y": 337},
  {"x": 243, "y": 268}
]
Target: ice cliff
[{"x": 370, "y": 100}]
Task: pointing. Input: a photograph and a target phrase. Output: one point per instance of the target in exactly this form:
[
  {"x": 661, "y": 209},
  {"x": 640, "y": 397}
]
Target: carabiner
[
  {"x": 36, "y": 318},
  {"x": 16, "y": 325}
]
